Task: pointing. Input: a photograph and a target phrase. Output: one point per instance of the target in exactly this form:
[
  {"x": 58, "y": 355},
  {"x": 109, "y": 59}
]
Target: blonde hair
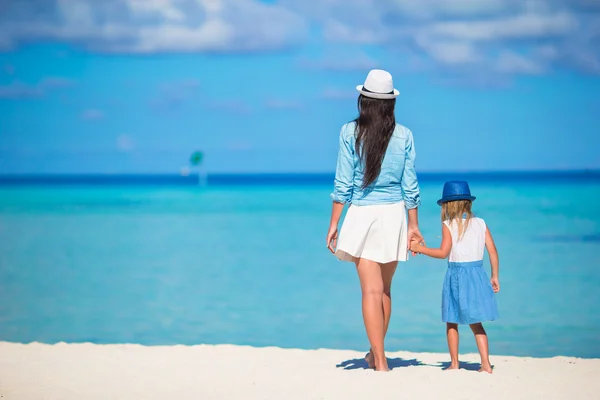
[{"x": 459, "y": 211}]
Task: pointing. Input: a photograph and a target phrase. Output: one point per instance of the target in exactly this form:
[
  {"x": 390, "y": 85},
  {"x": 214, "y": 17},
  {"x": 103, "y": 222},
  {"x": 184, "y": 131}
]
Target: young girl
[{"x": 467, "y": 295}]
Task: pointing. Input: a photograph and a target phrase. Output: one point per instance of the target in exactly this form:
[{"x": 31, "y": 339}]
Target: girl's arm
[
  {"x": 442, "y": 252},
  {"x": 494, "y": 259}
]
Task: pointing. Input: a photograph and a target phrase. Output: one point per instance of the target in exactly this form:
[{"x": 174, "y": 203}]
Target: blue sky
[{"x": 132, "y": 86}]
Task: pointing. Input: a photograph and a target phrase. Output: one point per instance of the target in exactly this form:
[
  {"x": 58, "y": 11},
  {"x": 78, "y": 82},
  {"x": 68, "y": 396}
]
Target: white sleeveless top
[{"x": 471, "y": 245}]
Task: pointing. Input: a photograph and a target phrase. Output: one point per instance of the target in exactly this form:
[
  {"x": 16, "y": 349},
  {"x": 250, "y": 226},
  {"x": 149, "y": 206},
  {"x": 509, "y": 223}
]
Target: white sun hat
[{"x": 378, "y": 85}]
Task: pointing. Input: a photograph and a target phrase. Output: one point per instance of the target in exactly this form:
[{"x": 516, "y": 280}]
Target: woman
[{"x": 376, "y": 175}]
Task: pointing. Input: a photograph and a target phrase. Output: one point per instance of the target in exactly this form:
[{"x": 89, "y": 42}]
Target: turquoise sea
[{"x": 243, "y": 261}]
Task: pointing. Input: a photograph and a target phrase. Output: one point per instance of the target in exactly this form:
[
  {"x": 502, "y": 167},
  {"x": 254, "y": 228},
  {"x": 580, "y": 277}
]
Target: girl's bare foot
[{"x": 369, "y": 359}]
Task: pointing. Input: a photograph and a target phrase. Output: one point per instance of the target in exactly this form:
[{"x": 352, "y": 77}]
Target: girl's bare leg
[
  {"x": 452, "y": 335},
  {"x": 371, "y": 283},
  {"x": 387, "y": 273},
  {"x": 482, "y": 345}
]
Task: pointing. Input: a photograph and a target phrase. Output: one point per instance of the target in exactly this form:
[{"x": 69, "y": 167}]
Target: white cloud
[
  {"x": 5, "y": 43},
  {"x": 588, "y": 62},
  {"x": 125, "y": 143},
  {"x": 21, "y": 90},
  {"x": 524, "y": 26},
  {"x": 335, "y": 30},
  {"x": 283, "y": 104},
  {"x": 340, "y": 61},
  {"x": 92, "y": 114},
  {"x": 453, "y": 37},
  {"x": 230, "y": 106},
  {"x": 9, "y": 69},
  {"x": 429, "y": 9},
  {"x": 238, "y": 145},
  {"x": 339, "y": 94},
  {"x": 54, "y": 82},
  {"x": 450, "y": 52},
  {"x": 148, "y": 26},
  {"x": 548, "y": 52},
  {"x": 165, "y": 8},
  {"x": 171, "y": 95},
  {"x": 462, "y": 36},
  {"x": 512, "y": 63}
]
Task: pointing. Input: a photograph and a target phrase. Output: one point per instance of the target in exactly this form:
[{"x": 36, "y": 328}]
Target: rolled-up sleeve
[
  {"x": 410, "y": 184},
  {"x": 344, "y": 172}
]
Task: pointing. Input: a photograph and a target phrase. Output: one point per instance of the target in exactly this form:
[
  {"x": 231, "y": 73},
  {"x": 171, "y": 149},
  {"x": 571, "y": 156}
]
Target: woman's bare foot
[
  {"x": 452, "y": 367},
  {"x": 369, "y": 359},
  {"x": 486, "y": 368},
  {"x": 381, "y": 366},
  {"x": 384, "y": 368}
]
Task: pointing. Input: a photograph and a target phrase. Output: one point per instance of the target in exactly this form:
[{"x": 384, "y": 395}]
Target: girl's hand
[
  {"x": 332, "y": 238},
  {"x": 495, "y": 284},
  {"x": 415, "y": 246},
  {"x": 414, "y": 234}
]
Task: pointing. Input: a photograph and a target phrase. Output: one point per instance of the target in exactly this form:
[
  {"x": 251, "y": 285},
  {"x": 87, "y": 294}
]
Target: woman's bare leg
[
  {"x": 387, "y": 274},
  {"x": 371, "y": 283},
  {"x": 452, "y": 335},
  {"x": 482, "y": 345}
]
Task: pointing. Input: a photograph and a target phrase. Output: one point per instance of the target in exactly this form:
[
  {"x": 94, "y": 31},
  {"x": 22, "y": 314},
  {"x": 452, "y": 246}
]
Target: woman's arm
[
  {"x": 442, "y": 252},
  {"x": 343, "y": 186},
  {"x": 344, "y": 171},
  {"x": 413, "y": 224},
  {"x": 410, "y": 190},
  {"x": 410, "y": 184},
  {"x": 336, "y": 212}
]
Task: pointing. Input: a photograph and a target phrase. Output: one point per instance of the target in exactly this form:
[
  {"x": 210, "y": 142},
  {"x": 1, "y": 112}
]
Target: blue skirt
[{"x": 467, "y": 296}]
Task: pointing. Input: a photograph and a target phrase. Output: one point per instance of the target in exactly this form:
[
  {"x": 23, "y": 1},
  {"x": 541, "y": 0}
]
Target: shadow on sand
[
  {"x": 469, "y": 366},
  {"x": 360, "y": 363},
  {"x": 393, "y": 363}
]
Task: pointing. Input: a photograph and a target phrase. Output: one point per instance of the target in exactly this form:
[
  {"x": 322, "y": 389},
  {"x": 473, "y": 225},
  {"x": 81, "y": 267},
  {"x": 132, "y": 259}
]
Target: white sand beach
[{"x": 88, "y": 372}]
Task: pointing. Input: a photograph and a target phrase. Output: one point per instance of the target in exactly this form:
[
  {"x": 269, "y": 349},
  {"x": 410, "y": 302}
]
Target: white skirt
[{"x": 375, "y": 232}]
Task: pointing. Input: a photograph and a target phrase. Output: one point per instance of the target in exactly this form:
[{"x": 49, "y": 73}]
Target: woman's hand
[
  {"x": 414, "y": 234},
  {"x": 332, "y": 238}
]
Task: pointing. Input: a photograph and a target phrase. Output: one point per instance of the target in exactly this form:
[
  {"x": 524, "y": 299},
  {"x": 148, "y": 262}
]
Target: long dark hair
[{"x": 375, "y": 125}]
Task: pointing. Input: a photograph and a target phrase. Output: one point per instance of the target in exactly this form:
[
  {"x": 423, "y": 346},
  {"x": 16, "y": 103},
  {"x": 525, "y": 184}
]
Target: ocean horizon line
[{"x": 295, "y": 178}]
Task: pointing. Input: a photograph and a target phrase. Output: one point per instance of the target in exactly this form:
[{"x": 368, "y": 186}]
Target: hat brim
[
  {"x": 454, "y": 198},
  {"x": 381, "y": 96}
]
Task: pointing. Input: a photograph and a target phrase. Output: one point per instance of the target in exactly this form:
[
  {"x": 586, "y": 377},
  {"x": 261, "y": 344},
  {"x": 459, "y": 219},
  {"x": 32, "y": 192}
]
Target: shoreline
[
  {"x": 132, "y": 371},
  {"x": 284, "y": 179}
]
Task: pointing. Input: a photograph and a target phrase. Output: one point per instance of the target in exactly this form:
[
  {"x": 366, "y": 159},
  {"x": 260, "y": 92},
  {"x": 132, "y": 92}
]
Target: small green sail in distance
[{"x": 196, "y": 160}]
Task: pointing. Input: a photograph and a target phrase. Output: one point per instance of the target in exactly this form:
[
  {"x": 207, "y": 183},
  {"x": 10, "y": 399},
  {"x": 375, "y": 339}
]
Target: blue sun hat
[{"x": 455, "y": 190}]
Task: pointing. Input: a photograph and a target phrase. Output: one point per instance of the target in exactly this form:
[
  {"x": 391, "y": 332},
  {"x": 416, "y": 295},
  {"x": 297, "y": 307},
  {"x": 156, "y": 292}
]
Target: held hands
[
  {"x": 495, "y": 284},
  {"x": 414, "y": 234},
  {"x": 415, "y": 239},
  {"x": 332, "y": 238},
  {"x": 415, "y": 246}
]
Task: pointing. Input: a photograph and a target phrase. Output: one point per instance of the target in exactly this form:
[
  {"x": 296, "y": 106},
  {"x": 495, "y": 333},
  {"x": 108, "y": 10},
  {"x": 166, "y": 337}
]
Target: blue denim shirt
[{"x": 396, "y": 182}]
